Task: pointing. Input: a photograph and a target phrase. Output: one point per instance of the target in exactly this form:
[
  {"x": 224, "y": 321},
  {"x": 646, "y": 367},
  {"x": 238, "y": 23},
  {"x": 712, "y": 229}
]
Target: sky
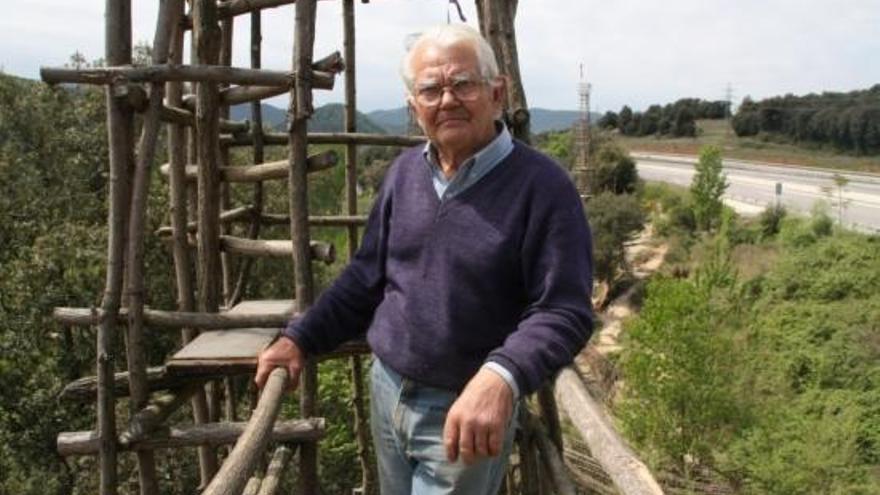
[{"x": 634, "y": 52}]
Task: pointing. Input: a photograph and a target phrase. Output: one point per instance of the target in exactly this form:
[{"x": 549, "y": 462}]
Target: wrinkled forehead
[{"x": 440, "y": 62}]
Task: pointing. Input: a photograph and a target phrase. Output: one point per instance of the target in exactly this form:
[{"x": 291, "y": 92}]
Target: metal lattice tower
[{"x": 584, "y": 170}]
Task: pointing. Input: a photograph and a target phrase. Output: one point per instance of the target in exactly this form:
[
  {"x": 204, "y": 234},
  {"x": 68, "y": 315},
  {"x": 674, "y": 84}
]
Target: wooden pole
[
  {"x": 182, "y": 262},
  {"x": 213, "y": 434},
  {"x": 530, "y": 482},
  {"x": 237, "y": 468},
  {"x": 121, "y": 143},
  {"x": 264, "y": 171},
  {"x": 497, "y": 25},
  {"x": 180, "y": 319},
  {"x": 243, "y": 212},
  {"x": 630, "y": 475},
  {"x": 258, "y": 157},
  {"x": 361, "y": 430},
  {"x": 206, "y": 34},
  {"x": 148, "y": 419},
  {"x": 281, "y": 139},
  {"x": 201, "y": 73},
  {"x": 226, "y": 33},
  {"x": 550, "y": 415},
  {"x": 136, "y": 352},
  {"x": 85, "y": 389},
  {"x": 552, "y": 460},
  {"x": 230, "y": 8},
  {"x": 272, "y": 480},
  {"x": 299, "y": 111}
]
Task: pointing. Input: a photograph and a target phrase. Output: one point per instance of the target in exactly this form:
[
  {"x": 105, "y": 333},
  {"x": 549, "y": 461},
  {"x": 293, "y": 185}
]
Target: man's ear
[{"x": 499, "y": 89}]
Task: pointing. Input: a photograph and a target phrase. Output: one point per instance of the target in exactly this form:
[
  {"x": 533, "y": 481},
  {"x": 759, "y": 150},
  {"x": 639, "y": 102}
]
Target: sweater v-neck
[{"x": 441, "y": 206}]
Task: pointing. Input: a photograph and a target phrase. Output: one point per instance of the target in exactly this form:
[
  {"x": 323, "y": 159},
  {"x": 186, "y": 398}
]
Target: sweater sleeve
[
  {"x": 344, "y": 311},
  {"x": 556, "y": 262}
]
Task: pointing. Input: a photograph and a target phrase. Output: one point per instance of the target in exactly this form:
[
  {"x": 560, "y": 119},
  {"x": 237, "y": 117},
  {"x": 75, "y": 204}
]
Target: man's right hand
[{"x": 283, "y": 353}]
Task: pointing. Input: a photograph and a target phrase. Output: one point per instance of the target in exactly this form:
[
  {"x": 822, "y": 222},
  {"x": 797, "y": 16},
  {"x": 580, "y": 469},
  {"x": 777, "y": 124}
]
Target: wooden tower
[{"x": 221, "y": 335}]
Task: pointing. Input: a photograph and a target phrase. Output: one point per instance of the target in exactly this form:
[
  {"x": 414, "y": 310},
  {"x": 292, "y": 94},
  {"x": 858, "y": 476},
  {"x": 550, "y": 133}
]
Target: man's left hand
[{"x": 477, "y": 420}]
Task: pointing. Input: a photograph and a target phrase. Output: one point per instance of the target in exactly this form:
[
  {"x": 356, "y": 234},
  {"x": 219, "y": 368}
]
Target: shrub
[{"x": 770, "y": 219}]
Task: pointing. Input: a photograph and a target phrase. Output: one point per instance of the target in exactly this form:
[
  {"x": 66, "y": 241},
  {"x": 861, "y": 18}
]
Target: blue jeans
[{"x": 407, "y": 424}]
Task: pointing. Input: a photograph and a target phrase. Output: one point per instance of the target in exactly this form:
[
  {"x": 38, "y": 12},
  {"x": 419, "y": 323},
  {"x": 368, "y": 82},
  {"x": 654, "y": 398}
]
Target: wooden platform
[{"x": 229, "y": 351}]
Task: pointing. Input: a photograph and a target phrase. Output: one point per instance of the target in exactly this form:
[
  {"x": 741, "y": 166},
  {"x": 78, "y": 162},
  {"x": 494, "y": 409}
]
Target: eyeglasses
[{"x": 464, "y": 89}]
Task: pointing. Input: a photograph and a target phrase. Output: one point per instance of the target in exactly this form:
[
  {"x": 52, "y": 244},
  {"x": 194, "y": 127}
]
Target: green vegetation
[
  {"x": 671, "y": 120},
  {"x": 759, "y": 148},
  {"x": 614, "y": 213},
  {"x": 844, "y": 121},
  {"x": 53, "y": 236},
  {"x": 707, "y": 188},
  {"x": 755, "y": 356}
]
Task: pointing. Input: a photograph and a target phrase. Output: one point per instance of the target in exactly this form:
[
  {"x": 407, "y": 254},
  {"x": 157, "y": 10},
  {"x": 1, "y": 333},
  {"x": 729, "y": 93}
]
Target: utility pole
[{"x": 584, "y": 169}]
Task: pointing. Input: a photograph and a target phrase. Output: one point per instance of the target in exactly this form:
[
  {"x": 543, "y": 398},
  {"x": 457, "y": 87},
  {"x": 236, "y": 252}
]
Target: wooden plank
[
  {"x": 236, "y": 348},
  {"x": 239, "y": 344},
  {"x": 263, "y": 306}
]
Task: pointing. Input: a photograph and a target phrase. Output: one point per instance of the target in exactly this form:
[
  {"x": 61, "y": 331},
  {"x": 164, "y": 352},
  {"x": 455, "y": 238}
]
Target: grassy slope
[{"x": 718, "y": 132}]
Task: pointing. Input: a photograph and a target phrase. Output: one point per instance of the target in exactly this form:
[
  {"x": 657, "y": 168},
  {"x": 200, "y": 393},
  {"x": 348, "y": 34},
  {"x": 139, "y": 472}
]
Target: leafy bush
[
  {"x": 771, "y": 219},
  {"x": 707, "y": 188},
  {"x": 677, "y": 404},
  {"x": 614, "y": 219},
  {"x": 615, "y": 170}
]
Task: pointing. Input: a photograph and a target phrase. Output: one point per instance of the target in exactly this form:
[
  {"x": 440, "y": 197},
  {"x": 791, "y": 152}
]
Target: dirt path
[{"x": 645, "y": 257}]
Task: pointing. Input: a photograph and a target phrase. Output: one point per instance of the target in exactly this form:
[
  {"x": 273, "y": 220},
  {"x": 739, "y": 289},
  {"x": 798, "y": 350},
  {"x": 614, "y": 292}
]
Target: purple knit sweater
[{"x": 500, "y": 273}]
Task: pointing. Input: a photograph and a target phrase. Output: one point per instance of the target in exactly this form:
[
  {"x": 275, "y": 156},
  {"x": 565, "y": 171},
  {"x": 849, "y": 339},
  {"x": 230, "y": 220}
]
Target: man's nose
[{"x": 448, "y": 98}]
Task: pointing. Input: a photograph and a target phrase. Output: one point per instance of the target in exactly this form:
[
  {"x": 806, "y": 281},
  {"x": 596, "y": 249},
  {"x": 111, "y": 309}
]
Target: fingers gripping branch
[{"x": 283, "y": 353}]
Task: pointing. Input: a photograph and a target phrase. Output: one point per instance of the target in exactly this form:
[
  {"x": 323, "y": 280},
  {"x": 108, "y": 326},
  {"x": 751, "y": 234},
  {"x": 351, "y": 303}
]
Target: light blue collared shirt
[
  {"x": 471, "y": 170},
  {"x": 469, "y": 173}
]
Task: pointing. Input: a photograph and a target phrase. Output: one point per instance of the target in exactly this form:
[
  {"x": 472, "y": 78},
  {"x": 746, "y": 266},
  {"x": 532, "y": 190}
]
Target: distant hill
[
  {"x": 544, "y": 120},
  {"x": 327, "y": 118},
  {"x": 395, "y": 120}
]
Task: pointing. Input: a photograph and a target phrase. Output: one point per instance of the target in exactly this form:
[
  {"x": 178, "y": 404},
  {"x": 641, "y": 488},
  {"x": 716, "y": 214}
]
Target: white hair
[{"x": 446, "y": 35}]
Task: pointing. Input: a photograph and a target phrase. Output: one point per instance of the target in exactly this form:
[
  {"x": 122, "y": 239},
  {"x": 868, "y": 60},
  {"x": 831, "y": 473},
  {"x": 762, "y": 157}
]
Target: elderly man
[{"x": 472, "y": 282}]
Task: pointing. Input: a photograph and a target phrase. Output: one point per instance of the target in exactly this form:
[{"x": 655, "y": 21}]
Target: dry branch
[
  {"x": 237, "y": 468},
  {"x": 275, "y": 472},
  {"x": 157, "y": 411},
  {"x": 263, "y": 171},
  {"x": 243, "y": 213},
  {"x": 552, "y": 459},
  {"x": 210, "y": 434},
  {"x": 281, "y": 139},
  {"x": 231, "y": 8},
  {"x": 161, "y": 73},
  {"x": 85, "y": 389},
  {"x": 178, "y": 319},
  {"x": 320, "y": 251}
]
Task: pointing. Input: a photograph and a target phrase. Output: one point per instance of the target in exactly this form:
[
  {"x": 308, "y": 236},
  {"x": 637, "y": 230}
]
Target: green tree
[
  {"x": 614, "y": 220},
  {"x": 707, "y": 188},
  {"x": 615, "y": 170},
  {"x": 675, "y": 363}
]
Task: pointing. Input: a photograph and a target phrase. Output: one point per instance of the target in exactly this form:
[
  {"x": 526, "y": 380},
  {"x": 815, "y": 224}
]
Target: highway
[{"x": 754, "y": 186}]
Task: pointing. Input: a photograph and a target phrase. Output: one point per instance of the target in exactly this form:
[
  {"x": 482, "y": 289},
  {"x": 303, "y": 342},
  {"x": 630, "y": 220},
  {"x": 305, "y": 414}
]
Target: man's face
[{"x": 455, "y": 125}]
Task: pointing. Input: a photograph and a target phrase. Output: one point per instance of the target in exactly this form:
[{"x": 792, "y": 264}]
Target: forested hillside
[
  {"x": 844, "y": 121},
  {"x": 670, "y": 120},
  {"x": 327, "y": 118}
]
